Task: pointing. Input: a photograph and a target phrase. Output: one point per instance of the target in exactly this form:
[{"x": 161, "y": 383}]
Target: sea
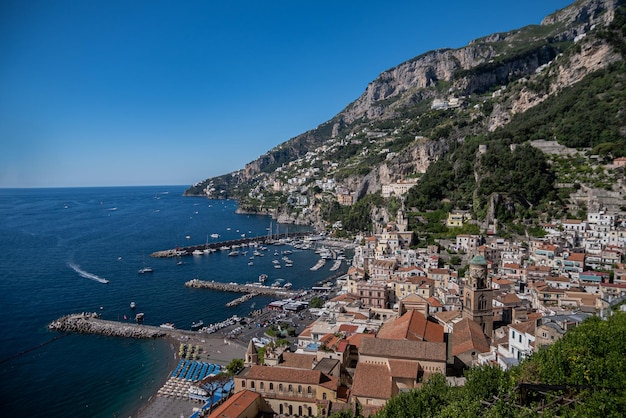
[{"x": 70, "y": 250}]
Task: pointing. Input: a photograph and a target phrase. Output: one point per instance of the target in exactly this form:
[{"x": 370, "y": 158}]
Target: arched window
[
  {"x": 290, "y": 389},
  {"x": 262, "y": 385},
  {"x": 280, "y": 388},
  {"x": 300, "y": 410},
  {"x": 243, "y": 383},
  {"x": 309, "y": 391},
  {"x": 482, "y": 302},
  {"x": 300, "y": 390},
  {"x": 271, "y": 386},
  {"x": 252, "y": 384},
  {"x": 324, "y": 395},
  {"x": 310, "y": 412}
]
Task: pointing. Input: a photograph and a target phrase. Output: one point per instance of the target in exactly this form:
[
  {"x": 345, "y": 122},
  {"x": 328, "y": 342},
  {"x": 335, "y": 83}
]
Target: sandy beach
[{"x": 170, "y": 401}]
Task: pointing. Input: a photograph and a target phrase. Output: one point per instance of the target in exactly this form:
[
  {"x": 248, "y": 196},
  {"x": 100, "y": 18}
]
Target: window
[
  {"x": 262, "y": 385},
  {"x": 290, "y": 388},
  {"x": 243, "y": 383},
  {"x": 271, "y": 386},
  {"x": 299, "y": 388},
  {"x": 309, "y": 391},
  {"x": 520, "y": 338},
  {"x": 252, "y": 385},
  {"x": 280, "y": 387},
  {"x": 324, "y": 396}
]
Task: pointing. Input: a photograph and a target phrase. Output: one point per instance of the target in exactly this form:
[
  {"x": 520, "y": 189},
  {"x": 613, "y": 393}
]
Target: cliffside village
[{"x": 400, "y": 317}]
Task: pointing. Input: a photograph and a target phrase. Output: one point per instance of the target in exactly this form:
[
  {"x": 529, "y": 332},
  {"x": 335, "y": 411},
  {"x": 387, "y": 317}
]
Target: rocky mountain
[{"x": 412, "y": 115}]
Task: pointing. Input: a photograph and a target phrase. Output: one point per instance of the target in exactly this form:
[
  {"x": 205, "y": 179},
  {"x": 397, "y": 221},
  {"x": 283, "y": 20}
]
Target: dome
[{"x": 479, "y": 260}]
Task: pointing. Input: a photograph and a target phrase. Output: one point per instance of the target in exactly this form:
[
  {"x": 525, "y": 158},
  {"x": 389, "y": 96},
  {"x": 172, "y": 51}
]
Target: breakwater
[
  {"x": 241, "y": 288},
  {"x": 89, "y": 323},
  {"x": 241, "y": 242}
]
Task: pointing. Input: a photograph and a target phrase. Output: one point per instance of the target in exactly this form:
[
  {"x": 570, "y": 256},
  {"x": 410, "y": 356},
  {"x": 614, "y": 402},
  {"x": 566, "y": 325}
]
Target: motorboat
[
  {"x": 133, "y": 305},
  {"x": 196, "y": 326},
  {"x": 145, "y": 270}
]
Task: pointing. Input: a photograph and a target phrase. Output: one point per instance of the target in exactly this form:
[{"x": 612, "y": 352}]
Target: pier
[
  {"x": 241, "y": 242},
  {"x": 254, "y": 289}
]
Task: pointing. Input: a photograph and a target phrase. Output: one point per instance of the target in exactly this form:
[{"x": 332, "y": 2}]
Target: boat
[
  {"x": 145, "y": 270},
  {"x": 288, "y": 285},
  {"x": 196, "y": 326},
  {"x": 132, "y": 305},
  {"x": 262, "y": 278},
  {"x": 197, "y": 252},
  {"x": 233, "y": 253},
  {"x": 277, "y": 266},
  {"x": 167, "y": 325},
  {"x": 215, "y": 235}
]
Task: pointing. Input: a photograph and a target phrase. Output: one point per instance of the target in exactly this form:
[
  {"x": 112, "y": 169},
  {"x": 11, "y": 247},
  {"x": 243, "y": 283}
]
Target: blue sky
[{"x": 160, "y": 92}]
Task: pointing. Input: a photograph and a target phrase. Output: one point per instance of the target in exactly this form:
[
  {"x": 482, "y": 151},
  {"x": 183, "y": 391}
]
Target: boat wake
[{"x": 86, "y": 274}]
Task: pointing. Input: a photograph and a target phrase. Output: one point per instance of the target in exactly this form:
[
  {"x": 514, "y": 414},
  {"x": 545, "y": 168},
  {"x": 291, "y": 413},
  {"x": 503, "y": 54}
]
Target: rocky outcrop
[{"x": 89, "y": 323}]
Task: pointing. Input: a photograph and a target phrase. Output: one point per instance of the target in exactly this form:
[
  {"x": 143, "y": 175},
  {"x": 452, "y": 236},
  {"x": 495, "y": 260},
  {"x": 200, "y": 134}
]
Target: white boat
[
  {"x": 215, "y": 235},
  {"x": 167, "y": 325},
  {"x": 132, "y": 305},
  {"x": 262, "y": 278},
  {"x": 288, "y": 285},
  {"x": 197, "y": 252},
  {"x": 145, "y": 270},
  {"x": 233, "y": 253}
]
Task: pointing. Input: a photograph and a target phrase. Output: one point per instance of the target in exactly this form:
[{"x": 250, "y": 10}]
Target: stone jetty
[
  {"x": 241, "y": 288},
  {"x": 90, "y": 323},
  {"x": 240, "y": 300},
  {"x": 241, "y": 242}
]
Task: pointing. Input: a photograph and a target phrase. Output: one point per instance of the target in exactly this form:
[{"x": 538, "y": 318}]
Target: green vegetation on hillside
[{"x": 581, "y": 375}]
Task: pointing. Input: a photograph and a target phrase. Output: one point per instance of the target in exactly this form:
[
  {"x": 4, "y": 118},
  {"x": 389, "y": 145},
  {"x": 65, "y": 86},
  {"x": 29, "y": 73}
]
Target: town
[{"x": 402, "y": 315}]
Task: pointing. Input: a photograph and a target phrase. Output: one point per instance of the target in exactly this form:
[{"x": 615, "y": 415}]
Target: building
[
  {"x": 387, "y": 367},
  {"x": 478, "y": 295}
]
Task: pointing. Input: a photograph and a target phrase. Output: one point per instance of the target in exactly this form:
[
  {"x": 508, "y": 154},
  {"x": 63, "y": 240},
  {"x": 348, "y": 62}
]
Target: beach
[{"x": 168, "y": 401}]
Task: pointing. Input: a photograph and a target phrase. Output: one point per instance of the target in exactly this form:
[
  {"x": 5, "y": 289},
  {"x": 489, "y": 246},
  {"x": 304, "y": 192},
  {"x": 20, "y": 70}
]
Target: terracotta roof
[
  {"x": 434, "y": 302},
  {"x": 284, "y": 374},
  {"x": 576, "y": 257},
  {"x": 347, "y": 328},
  {"x": 509, "y": 299},
  {"x": 525, "y": 327},
  {"x": 356, "y": 339},
  {"x": 307, "y": 331},
  {"x": 234, "y": 406},
  {"x": 404, "y": 368},
  {"x": 372, "y": 381},
  {"x": 298, "y": 361},
  {"x": 413, "y": 325},
  {"x": 467, "y": 335},
  {"x": 403, "y": 349},
  {"x": 447, "y": 316},
  {"x": 345, "y": 297}
]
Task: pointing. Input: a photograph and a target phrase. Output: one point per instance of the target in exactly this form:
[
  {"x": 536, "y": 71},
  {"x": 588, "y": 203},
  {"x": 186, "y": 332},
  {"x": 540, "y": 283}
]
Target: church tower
[
  {"x": 252, "y": 356},
  {"x": 478, "y": 295}
]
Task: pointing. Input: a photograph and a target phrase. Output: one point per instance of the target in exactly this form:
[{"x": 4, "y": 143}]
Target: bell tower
[
  {"x": 478, "y": 295},
  {"x": 252, "y": 356}
]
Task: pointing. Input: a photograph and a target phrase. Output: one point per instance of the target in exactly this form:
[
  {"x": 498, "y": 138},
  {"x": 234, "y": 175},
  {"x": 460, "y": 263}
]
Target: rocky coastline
[{"x": 90, "y": 323}]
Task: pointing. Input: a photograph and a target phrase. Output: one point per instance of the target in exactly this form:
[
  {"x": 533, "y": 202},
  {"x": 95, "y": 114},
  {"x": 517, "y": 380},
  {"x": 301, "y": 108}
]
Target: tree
[{"x": 234, "y": 366}]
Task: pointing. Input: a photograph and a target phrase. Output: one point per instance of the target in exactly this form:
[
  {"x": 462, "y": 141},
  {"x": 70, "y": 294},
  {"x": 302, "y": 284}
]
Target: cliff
[{"x": 414, "y": 113}]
